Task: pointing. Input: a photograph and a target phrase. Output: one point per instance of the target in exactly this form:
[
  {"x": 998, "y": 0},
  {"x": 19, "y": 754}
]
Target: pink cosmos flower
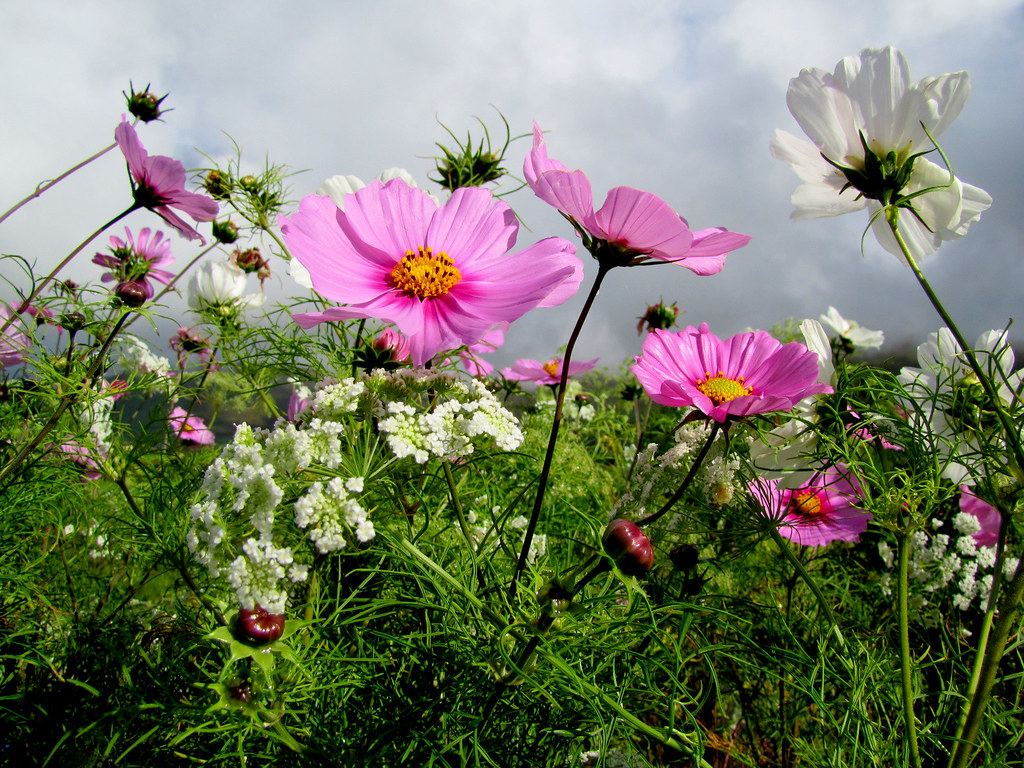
[
  {"x": 14, "y": 342},
  {"x": 441, "y": 274},
  {"x": 816, "y": 513},
  {"x": 546, "y": 373},
  {"x": 747, "y": 374},
  {"x": 190, "y": 429},
  {"x": 135, "y": 260},
  {"x": 83, "y": 457},
  {"x": 632, "y": 226},
  {"x": 188, "y": 341},
  {"x": 471, "y": 358},
  {"x": 158, "y": 183},
  {"x": 987, "y": 515}
]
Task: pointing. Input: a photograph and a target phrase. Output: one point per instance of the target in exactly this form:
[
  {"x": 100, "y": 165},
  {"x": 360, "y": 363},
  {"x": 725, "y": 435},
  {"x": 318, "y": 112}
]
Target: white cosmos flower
[
  {"x": 860, "y": 338},
  {"x": 946, "y": 390},
  {"x": 338, "y": 188},
  {"x": 871, "y": 96},
  {"x": 220, "y": 284}
]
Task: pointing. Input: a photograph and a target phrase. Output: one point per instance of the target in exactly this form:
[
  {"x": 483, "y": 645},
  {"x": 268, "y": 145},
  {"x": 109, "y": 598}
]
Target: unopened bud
[
  {"x": 628, "y": 546},
  {"x": 249, "y": 183},
  {"x": 225, "y": 231},
  {"x": 217, "y": 185},
  {"x": 132, "y": 294},
  {"x": 144, "y": 105}
]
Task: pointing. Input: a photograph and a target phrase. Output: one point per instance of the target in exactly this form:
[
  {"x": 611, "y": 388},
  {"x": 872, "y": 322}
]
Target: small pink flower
[
  {"x": 135, "y": 260},
  {"x": 816, "y": 513},
  {"x": 190, "y": 429},
  {"x": 14, "y": 342},
  {"x": 747, "y": 374},
  {"x": 83, "y": 458},
  {"x": 546, "y": 373},
  {"x": 187, "y": 342},
  {"x": 987, "y": 515},
  {"x": 158, "y": 183},
  {"x": 471, "y": 358},
  {"x": 632, "y": 226},
  {"x": 441, "y": 274}
]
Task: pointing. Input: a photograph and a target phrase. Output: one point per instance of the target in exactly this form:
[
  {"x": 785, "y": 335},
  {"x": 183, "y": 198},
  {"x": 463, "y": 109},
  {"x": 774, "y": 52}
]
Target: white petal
[{"x": 337, "y": 187}]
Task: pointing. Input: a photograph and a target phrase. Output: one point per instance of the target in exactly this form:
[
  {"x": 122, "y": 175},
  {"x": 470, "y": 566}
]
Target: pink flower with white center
[
  {"x": 988, "y": 517},
  {"x": 441, "y": 274},
  {"x": 747, "y": 374},
  {"x": 190, "y": 429},
  {"x": 816, "y": 513},
  {"x": 135, "y": 260},
  {"x": 14, "y": 342},
  {"x": 632, "y": 226},
  {"x": 158, "y": 183},
  {"x": 546, "y": 373}
]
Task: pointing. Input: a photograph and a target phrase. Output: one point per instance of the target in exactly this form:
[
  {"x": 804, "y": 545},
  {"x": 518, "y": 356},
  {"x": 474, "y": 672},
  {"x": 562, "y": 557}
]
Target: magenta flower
[
  {"x": 136, "y": 260},
  {"x": 442, "y": 275},
  {"x": 190, "y": 429},
  {"x": 816, "y": 513},
  {"x": 186, "y": 342},
  {"x": 632, "y": 226},
  {"x": 747, "y": 374},
  {"x": 158, "y": 183},
  {"x": 988, "y": 517},
  {"x": 546, "y": 373},
  {"x": 14, "y": 342}
]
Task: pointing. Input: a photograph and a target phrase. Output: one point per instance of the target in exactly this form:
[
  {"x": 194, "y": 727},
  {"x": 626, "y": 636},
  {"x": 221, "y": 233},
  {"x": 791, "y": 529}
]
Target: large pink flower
[
  {"x": 190, "y": 429},
  {"x": 816, "y": 513},
  {"x": 158, "y": 183},
  {"x": 546, "y": 373},
  {"x": 747, "y": 374},
  {"x": 442, "y": 275},
  {"x": 632, "y": 225},
  {"x": 135, "y": 259}
]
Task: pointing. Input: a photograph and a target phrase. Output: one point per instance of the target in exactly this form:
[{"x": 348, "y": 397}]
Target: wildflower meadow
[{"x": 327, "y": 530}]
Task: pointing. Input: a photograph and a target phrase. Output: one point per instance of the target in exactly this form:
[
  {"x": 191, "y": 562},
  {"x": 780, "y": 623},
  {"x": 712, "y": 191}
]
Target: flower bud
[
  {"x": 72, "y": 321},
  {"x": 684, "y": 557},
  {"x": 132, "y": 293},
  {"x": 144, "y": 105},
  {"x": 628, "y": 546},
  {"x": 217, "y": 185},
  {"x": 658, "y": 317},
  {"x": 249, "y": 183},
  {"x": 258, "y": 626},
  {"x": 225, "y": 231}
]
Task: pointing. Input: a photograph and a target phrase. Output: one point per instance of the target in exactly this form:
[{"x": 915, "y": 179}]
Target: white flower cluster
[
  {"x": 652, "y": 476},
  {"x": 137, "y": 357},
  {"x": 238, "y": 530},
  {"x": 467, "y": 410},
  {"x": 937, "y": 561}
]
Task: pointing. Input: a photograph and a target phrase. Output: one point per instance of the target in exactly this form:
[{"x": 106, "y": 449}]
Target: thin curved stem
[
  {"x": 686, "y": 480},
  {"x": 556, "y": 421},
  {"x": 906, "y": 662},
  {"x": 44, "y": 186}
]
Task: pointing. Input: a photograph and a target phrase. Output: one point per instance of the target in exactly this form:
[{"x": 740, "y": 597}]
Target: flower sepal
[{"x": 265, "y": 656}]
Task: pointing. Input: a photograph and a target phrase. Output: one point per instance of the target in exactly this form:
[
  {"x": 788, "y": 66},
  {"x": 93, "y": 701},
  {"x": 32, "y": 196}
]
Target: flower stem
[
  {"x": 66, "y": 402},
  {"x": 1011, "y": 433},
  {"x": 556, "y": 422},
  {"x": 44, "y": 186},
  {"x": 906, "y": 662},
  {"x": 802, "y": 571},
  {"x": 686, "y": 480},
  {"x": 46, "y": 280}
]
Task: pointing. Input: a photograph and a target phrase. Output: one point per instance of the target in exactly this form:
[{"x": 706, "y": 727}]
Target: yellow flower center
[
  {"x": 551, "y": 367},
  {"x": 425, "y": 273},
  {"x": 805, "y": 503},
  {"x": 721, "y": 388}
]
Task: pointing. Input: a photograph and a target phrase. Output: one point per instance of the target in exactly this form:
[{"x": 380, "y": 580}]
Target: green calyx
[{"x": 883, "y": 178}]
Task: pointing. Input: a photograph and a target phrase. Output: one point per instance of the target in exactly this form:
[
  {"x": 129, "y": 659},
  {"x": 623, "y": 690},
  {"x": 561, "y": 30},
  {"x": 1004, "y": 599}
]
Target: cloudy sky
[{"x": 678, "y": 98}]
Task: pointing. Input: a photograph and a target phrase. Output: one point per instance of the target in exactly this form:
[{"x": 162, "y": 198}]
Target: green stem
[
  {"x": 800, "y": 569},
  {"x": 44, "y": 186},
  {"x": 556, "y": 421},
  {"x": 906, "y": 662},
  {"x": 1012, "y": 436},
  {"x": 1008, "y": 608}
]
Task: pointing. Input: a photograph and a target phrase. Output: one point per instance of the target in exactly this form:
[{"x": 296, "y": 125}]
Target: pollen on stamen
[
  {"x": 425, "y": 274},
  {"x": 721, "y": 388}
]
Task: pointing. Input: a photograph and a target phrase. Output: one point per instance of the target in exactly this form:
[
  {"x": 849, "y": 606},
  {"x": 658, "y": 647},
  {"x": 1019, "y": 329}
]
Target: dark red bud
[
  {"x": 132, "y": 294},
  {"x": 259, "y": 626},
  {"x": 629, "y": 547}
]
